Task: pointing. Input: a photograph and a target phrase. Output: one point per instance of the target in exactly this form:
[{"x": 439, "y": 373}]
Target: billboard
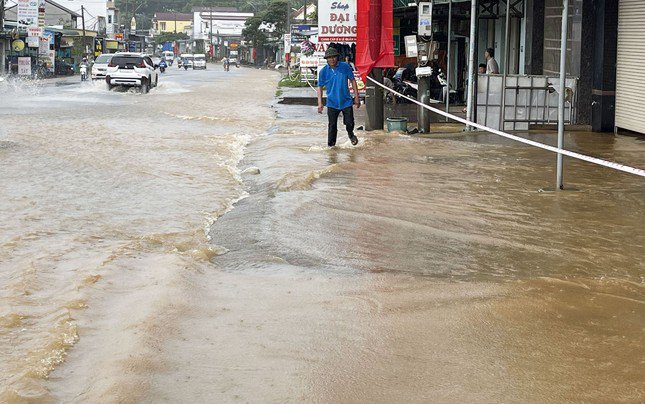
[
  {"x": 27, "y": 13},
  {"x": 337, "y": 21}
]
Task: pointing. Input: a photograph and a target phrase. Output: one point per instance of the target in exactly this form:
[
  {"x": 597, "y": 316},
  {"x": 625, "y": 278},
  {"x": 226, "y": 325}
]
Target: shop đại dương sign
[{"x": 337, "y": 21}]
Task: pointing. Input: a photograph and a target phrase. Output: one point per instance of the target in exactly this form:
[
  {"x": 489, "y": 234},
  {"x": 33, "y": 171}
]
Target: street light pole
[
  {"x": 83, "y": 21},
  {"x": 561, "y": 98}
]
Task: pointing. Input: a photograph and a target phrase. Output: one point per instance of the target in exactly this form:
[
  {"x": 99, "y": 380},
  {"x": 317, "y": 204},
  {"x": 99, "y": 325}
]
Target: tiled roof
[
  {"x": 173, "y": 17},
  {"x": 217, "y": 9}
]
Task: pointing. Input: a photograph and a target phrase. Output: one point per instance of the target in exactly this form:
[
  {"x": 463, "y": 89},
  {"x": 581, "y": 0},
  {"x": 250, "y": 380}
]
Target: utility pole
[
  {"x": 305, "y": 12},
  {"x": 125, "y": 18},
  {"x": 210, "y": 36},
  {"x": 83, "y": 21},
  {"x": 2, "y": 67},
  {"x": 175, "y": 14},
  {"x": 287, "y": 30}
]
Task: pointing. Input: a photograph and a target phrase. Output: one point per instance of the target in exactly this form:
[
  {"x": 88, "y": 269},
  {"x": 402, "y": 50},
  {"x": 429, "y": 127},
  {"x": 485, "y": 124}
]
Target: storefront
[{"x": 630, "y": 76}]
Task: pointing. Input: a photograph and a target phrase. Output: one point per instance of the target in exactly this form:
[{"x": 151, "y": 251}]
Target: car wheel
[
  {"x": 156, "y": 81},
  {"x": 145, "y": 88},
  {"x": 110, "y": 87}
]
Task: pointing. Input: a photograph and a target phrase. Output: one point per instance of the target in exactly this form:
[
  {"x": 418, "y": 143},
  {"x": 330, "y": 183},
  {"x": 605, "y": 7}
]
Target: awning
[{"x": 64, "y": 32}]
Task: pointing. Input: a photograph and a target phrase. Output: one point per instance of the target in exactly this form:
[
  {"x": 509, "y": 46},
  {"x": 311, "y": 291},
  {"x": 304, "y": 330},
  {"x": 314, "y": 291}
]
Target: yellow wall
[{"x": 170, "y": 25}]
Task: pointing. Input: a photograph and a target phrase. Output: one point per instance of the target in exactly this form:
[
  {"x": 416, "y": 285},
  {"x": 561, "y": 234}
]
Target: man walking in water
[{"x": 334, "y": 77}]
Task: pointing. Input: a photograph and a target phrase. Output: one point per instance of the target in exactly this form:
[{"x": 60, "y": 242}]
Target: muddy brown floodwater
[{"x": 140, "y": 262}]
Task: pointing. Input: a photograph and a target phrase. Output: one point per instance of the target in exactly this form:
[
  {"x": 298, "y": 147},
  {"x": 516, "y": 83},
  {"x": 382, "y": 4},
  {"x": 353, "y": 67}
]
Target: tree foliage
[
  {"x": 171, "y": 36},
  {"x": 256, "y": 30}
]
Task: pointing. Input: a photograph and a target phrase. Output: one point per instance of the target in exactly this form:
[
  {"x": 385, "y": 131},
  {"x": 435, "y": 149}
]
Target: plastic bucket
[{"x": 397, "y": 124}]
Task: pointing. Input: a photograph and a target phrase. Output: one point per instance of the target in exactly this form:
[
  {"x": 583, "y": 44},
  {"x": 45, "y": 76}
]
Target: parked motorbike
[{"x": 446, "y": 88}]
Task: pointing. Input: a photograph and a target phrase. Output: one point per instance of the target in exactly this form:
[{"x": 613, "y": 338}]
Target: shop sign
[
  {"x": 337, "y": 21},
  {"x": 41, "y": 13},
  {"x": 33, "y": 41},
  {"x": 43, "y": 47},
  {"x": 27, "y": 13},
  {"x": 51, "y": 54},
  {"x": 34, "y": 31},
  {"x": 17, "y": 45},
  {"x": 24, "y": 66}
]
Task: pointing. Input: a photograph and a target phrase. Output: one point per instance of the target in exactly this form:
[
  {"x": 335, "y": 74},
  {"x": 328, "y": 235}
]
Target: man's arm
[
  {"x": 320, "y": 105},
  {"x": 357, "y": 98}
]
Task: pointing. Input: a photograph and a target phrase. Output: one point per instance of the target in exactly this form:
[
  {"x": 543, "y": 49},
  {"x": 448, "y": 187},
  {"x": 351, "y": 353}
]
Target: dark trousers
[{"x": 332, "y": 129}]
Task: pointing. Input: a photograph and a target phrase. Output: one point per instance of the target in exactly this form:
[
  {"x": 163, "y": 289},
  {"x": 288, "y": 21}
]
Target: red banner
[{"x": 374, "y": 40}]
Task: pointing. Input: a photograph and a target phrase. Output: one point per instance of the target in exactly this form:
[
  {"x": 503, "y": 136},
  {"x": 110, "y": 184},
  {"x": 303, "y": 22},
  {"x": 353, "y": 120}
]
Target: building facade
[{"x": 172, "y": 22}]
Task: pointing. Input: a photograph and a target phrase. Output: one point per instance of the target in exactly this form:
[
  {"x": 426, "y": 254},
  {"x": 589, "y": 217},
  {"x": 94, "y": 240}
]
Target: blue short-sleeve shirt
[{"x": 338, "y": 96}]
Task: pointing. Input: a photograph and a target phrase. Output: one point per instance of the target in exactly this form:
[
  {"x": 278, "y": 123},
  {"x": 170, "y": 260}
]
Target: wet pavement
[{"x": 143, "y": 263}]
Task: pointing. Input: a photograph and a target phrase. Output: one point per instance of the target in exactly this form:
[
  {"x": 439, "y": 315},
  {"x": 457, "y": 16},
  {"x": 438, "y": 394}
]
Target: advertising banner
[
  {"x": 43, "y": 47},
  {"x": 337, "y": 21},
  {"x": 374, "y": 46},
  {"x": 24, "y": 66},
  {"x": 51, "y": 55},
  {"x": 33, "y": 41},
  {"x": 27, "y": 13}
]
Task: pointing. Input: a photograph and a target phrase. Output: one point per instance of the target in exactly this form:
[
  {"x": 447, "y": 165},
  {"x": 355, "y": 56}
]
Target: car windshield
[
  {"x": 123, "y": 61},
  {"x": 104, "y": 59},
  {"x": 200, "y": 58}
]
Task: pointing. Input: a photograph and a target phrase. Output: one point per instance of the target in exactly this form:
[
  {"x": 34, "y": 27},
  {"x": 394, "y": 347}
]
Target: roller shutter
[{"x": 630, "y": 66}]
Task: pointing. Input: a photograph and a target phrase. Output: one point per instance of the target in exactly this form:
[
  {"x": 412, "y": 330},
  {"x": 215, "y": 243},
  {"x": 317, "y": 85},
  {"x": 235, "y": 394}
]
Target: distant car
[
  {"x": 99, "y": 68},
  {"x": 170, "y": 56},
  {"x": 132, "y": 69},
  {"x": 199, "y": 61}
]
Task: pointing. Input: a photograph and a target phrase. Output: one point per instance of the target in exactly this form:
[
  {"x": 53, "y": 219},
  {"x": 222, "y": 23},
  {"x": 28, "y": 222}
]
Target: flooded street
[{"x": 142, "y": 260}]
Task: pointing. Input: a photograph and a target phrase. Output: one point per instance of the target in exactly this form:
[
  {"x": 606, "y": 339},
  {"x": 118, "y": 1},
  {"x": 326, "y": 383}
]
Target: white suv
[{"x": 131, "y": 69}]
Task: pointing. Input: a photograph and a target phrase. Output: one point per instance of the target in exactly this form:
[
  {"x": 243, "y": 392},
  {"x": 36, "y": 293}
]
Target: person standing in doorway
[
  {"x": 335, "y": 77},
  {"x": 491, "y": 64}
]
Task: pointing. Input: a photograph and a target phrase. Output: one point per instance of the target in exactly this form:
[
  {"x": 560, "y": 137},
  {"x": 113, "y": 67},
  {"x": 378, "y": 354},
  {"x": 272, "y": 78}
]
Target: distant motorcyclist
[
  {"x": 83, "y": 68},
  {"x": 163, "y": 65}
]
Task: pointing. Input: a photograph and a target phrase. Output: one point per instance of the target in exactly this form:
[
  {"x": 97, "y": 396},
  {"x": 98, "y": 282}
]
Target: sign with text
[
  {"x": 41, "y": 13},
  {"x": 24, "y": 66},
  {"x": 34, "y": 31},
  {"x": 33, "y": 41},
  {"x": 27, "y": 13},
  {"x": 337, "y": 21},
  {"x": 44, "y": 45}
]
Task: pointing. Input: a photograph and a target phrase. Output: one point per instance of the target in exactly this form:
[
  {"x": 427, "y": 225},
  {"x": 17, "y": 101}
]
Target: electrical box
[{"x": 425, "y": 18}]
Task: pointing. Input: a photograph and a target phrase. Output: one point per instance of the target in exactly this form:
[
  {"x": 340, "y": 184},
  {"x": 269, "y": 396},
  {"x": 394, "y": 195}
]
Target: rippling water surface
[{"x": 138, "y": 262}]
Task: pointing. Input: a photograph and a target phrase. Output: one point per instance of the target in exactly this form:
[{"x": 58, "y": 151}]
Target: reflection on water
[{"x": 403, "y": 268}]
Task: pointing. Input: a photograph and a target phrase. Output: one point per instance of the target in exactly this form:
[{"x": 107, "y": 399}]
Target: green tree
[
  {"x": 275, "y": 14},
  {"x": 170, "y": 36}
]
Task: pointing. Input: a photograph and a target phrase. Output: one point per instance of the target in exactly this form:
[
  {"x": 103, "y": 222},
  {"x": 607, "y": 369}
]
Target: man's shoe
[{"x": 354, "y": 140}]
